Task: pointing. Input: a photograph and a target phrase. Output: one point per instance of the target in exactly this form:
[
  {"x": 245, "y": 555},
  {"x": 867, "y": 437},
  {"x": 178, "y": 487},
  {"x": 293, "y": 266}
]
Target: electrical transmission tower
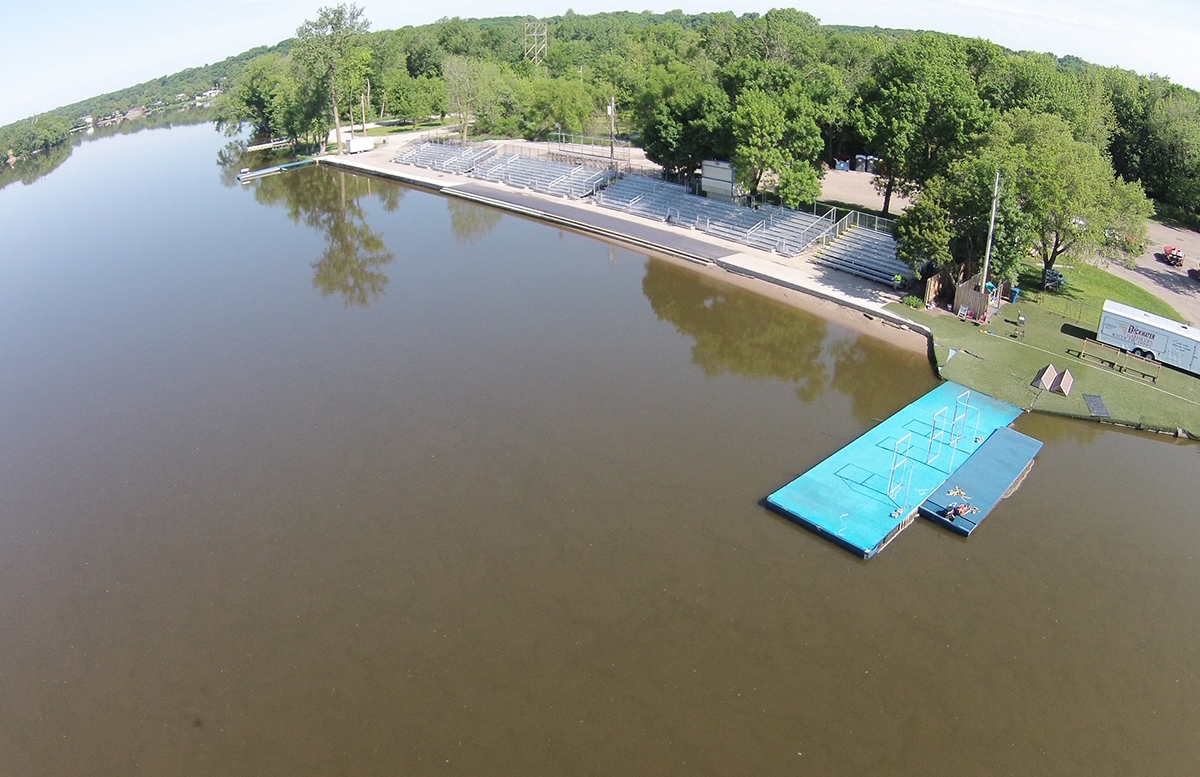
[{"x": 536, "y": 35}]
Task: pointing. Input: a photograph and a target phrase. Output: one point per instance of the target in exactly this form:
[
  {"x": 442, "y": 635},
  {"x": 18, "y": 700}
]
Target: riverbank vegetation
[
  {"x": 783, "y": 97},
  {"x": 167, "y": 94},
  {"x": 1078, "y": 146}
]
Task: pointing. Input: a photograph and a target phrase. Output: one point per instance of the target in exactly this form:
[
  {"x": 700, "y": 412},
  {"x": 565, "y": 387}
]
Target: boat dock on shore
[
  {"x": 246, "y": 176},
  {"x": 865, "y": 494}
]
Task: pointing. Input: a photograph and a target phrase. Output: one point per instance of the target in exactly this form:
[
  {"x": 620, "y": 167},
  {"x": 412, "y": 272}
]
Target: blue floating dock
[
  {"x": 862, "y": 496},
  {"x": 992, "y": 473}
]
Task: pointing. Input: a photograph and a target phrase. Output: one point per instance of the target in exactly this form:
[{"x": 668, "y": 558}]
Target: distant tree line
[
  {"x": 783, "y": 97},
  {"x": 44, "y": 131}
]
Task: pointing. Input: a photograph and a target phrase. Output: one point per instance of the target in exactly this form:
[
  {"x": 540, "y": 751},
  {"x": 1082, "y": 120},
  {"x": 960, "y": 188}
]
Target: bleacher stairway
[{"x": 866, "y": 253}]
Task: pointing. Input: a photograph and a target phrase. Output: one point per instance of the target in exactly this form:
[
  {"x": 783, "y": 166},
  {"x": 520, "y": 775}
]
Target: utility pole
[
  {"x": 612, "y": 128},
  {"x": 987, "y": 254}
]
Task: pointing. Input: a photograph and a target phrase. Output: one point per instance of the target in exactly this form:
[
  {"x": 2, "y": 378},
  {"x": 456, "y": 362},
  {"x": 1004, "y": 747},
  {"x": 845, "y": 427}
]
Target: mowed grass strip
[
  {"x": 399, "y": 129},
  {"x": 991, "y": 359},
  {"x": 1087, "y": 288}
]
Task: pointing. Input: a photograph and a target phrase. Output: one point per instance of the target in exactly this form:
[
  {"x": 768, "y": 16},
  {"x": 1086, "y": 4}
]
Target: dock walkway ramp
[{"x": 992, "y": 473}]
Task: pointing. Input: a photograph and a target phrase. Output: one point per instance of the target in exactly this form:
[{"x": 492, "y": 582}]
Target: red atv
[{"x": 1172, "y": 256}]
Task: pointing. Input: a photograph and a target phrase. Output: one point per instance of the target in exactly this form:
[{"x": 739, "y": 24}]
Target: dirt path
[{"x": 856, "y": 189}]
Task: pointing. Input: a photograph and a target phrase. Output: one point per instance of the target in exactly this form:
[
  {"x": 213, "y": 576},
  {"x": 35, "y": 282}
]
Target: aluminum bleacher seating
[
  {"x": 444, "y": 156},
  {"x": 542, "y": 175},
  {"x": 768, "y": 228},
  {"x": 866, "y": 253},
  {"x": 859, "y": 250}
]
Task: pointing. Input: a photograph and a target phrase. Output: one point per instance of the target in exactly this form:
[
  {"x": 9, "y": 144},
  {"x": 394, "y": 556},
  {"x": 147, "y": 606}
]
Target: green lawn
[
  {"x": 990, "y": 359},
  {"x": 396, "y": 129},
  {"x": 1087, "y": 288}
]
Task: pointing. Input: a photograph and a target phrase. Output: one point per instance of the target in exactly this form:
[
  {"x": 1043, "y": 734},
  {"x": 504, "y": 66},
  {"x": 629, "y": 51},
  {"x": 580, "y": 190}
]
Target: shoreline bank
[
  {"x": 856, "y": 304},
  {"x": 853, "y": 303}
]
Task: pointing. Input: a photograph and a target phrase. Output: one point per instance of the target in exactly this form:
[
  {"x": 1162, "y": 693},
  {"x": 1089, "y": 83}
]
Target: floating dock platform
[
  {"x": 992, "y": 473},
  {"x": 246, "y": 176},
  {"x": 862, "y": 496}
]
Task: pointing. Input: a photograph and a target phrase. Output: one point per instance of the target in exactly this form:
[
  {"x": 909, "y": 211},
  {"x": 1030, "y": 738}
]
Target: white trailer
[
  {"x": 1150, "y": 336},
  {"x": 358, "y": 145}
]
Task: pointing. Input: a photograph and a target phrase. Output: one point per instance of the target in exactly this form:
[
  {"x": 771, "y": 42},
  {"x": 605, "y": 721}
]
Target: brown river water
[{"x": 327, "y": 476}]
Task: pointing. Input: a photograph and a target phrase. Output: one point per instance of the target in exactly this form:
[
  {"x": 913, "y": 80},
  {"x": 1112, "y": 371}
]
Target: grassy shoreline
[{"x": 1000, "y": 360}]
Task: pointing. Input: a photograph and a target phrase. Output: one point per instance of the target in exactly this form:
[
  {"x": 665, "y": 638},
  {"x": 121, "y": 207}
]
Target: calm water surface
[{"x": 329, "y": 476}]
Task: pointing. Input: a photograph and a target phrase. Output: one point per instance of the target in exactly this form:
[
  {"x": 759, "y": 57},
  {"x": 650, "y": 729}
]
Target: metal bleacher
[
  {"x": 768, "y": 228},
  {"x": 867, "y": 253},
  {"x": 857, "y": 244},
  {"x": 542, "y": 175},
  {"x": 445, "y": 157}
]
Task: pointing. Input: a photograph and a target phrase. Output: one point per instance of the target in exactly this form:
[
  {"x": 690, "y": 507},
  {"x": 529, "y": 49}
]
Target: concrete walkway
[{"x": 797, "y": 273}]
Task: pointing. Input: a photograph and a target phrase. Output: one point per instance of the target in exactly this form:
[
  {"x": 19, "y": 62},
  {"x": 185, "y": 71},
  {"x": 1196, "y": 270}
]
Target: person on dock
[{"x": 956, "y": 511}]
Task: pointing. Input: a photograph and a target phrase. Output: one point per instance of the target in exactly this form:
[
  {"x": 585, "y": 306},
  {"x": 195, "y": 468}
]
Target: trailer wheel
[{"x": 1138, "y": 352}]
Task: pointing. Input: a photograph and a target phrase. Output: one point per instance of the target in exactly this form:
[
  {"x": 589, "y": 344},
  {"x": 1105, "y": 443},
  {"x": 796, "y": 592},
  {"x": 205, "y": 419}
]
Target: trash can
[{"x": 1013, "y": 294}]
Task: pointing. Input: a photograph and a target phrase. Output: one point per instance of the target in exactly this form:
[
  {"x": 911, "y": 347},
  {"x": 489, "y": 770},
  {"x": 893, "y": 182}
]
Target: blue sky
[{"x": 58, "y": 51}]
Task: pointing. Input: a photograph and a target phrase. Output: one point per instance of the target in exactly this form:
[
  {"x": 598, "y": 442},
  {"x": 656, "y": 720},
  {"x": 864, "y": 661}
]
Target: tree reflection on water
[
  {"x": 741, "y": 333},
  {"x": 470, "y": 222},
  {"x": 737, "y": 332},
  {"x": 331, "y": 201}
]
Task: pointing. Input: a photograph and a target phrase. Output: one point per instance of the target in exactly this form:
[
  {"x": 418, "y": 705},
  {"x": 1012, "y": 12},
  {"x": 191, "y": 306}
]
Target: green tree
[
  {"x": 758, "y": 130},
  {"x": 469, "y": 88},
  {"x": 1173, "y": 138},
  {"x": 920, "y": 112},
  {"x": 923, "y": 230},
  {"x": 1069, "y": 192},
  {"x": 251, "y": 99},
  {"x": 685, "y": 118},
  {"x": 1058, "y": 197},
  {"x": 778, "y": 136},
  {"x": 1039, "y": 85},
  {"x": 558, "y": 103},
  {"x": 323, "y": 47}
]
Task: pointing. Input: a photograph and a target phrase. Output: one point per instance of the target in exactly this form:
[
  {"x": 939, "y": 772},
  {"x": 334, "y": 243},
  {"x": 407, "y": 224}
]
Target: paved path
[{"x": 585, "y": 212}]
